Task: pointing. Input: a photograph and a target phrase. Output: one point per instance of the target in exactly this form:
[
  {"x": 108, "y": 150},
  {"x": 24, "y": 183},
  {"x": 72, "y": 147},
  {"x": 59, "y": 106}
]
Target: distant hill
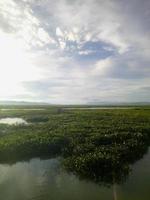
[
  {"x": 23, "y": 103},
  {"x": 27, "y": 103},
  {"x": 119, "y": 103}
]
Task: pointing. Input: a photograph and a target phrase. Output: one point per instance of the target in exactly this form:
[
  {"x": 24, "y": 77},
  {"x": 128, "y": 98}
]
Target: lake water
[
  {"x": 12, "y": 121},
  {"x": 46, "y": 180},
  {"x": 98, "y": 108},
  {"x": 20, "y": 109}
]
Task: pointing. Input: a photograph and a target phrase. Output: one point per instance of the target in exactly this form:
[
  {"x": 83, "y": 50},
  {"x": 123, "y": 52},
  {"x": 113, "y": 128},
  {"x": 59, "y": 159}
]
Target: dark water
[{"x": 46, "y": 180}]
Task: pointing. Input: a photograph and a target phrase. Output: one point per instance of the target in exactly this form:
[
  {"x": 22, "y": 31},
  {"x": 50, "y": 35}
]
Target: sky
[{"x": 75, "y": 51}]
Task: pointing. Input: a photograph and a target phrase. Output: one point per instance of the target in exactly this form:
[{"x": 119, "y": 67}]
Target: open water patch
[{"x": 12, "y": 121}]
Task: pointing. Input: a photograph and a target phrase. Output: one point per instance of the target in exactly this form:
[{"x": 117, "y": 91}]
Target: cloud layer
[{"x": 75, "y": 51}]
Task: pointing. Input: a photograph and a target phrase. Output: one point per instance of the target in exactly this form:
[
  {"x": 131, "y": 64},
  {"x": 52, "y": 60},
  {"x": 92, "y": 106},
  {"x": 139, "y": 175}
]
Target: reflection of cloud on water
[{"x": 12, "y": 121}]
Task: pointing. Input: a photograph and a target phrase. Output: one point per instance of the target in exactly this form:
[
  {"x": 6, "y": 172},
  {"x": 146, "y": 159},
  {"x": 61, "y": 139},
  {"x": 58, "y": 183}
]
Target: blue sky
[{"x": 75, "y": 51}]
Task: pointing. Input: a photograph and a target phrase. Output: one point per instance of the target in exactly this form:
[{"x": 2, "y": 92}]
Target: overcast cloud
[{"x": 75, "y": 51}]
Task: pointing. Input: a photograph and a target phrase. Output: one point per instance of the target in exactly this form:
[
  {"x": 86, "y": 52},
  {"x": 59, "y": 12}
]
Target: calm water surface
[
  {"x": 20, "y": 109},
  {"x": 98, "y": 108},
  {"x": 46, "y": 180},
  {"x": 12, "y": 121}
]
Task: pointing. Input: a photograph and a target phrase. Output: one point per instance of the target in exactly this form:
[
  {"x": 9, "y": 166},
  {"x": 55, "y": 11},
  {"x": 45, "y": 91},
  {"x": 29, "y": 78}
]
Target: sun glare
[{"x": 15, "y": 66}]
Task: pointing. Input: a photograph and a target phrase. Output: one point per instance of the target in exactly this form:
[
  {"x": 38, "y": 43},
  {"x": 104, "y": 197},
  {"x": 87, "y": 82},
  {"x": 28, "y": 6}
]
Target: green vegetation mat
[{"x": 93, "y": 143}]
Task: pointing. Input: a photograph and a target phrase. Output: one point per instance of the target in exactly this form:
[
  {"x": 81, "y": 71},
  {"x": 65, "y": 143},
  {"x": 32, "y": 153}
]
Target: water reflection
[
  {"x": 46, "y": 179},
  {"x": 40, "y": 179},
  {"x": 12, "y": 121}
]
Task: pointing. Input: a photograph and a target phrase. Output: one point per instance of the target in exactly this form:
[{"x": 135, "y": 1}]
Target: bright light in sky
[
  {"x": 15, "y": 66},
  {"x": 82, "y": 51}
]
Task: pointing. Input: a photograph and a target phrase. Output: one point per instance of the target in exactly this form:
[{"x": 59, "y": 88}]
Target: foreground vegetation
[{"x": 95, "y": 144}]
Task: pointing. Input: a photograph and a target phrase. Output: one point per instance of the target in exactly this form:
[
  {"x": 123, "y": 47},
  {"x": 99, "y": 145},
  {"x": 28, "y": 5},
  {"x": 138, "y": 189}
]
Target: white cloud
[
  {"x": 86, "y": 52},
  {"x": 102, "y": 67},
  {"x": 71, "y": 36},
  {"x": 48, "y": 44},
  {"x": 97, "y": 21},
  {"x": 44, "y": 36},
  {"x": 59, "y": 32}
]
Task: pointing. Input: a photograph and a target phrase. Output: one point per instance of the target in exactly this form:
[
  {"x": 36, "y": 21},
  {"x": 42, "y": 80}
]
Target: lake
[
  {"x": 45, "y": 179},
  {"x": 98, "y": 108},
  {"x": 12, "y": 121},
  {"x": 21, "y": 109}
]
